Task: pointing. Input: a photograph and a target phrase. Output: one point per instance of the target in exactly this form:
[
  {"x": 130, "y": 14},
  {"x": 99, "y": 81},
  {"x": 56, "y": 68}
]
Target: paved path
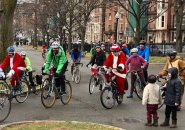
[{"x": 130, "y": 115}]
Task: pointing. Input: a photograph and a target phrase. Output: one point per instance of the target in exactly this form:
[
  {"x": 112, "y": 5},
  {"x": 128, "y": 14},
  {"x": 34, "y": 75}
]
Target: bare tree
[
  {"x": 179, "y": 7},
  {"x": 143, "y": 6},
  {"x": 85, "y": 8},
  {"x": 7, "y": 8}
]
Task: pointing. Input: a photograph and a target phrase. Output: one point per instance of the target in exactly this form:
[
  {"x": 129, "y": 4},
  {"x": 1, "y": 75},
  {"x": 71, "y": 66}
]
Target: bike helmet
[
  {"x": 23, "y": 53},
  {"x": 55, "y": 45},
  {"x": 152, "y": 78},
  {"x": 134, "y": 50},
  {"x": 102, "y": 45},
  {"x": 142, "y": 42},
  {"x": 10, "y": 49},
  {"x": 97, "y": 46},
  {"x": 172, "y": 53}
]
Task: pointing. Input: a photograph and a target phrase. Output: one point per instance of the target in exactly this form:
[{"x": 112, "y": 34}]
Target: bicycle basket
[
  {"x": 94, "y": 70},
  {"x": 39, "y": 79}
]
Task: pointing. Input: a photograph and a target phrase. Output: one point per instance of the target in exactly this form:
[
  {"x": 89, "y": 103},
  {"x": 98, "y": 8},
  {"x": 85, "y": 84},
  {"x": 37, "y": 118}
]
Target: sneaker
[
  {"x": 63, "y": 93},
  {"x": 130, "y": 96}
]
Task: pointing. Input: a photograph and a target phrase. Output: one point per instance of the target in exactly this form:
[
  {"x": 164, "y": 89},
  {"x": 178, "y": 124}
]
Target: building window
[
  {"x": 122, "y": 16},
  {"x": 109, "y": 16},
  {"x": 109, "y": 27},
  {"x": 163, "y": 4},
  {"x": 121, "y": 28},
  {"x": 162, "y": 21}
]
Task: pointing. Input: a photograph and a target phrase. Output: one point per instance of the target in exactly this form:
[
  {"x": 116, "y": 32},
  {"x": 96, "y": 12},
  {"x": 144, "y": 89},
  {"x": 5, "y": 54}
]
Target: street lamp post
[
  {"x": 116, "y": 27},
  {"x": 64, "y": 37}
]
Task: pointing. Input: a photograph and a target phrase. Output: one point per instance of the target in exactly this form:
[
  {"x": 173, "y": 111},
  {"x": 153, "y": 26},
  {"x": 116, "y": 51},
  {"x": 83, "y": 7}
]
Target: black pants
[
  {"x": 145, "y": 71},
  {"x": 31, "y": 78},
  {"x": 60, "y": 81},
  {"x": 169, "y": 110}
]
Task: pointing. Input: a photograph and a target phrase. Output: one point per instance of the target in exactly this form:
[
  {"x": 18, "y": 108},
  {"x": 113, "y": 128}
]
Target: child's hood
[{"x": 174, "y": 72}]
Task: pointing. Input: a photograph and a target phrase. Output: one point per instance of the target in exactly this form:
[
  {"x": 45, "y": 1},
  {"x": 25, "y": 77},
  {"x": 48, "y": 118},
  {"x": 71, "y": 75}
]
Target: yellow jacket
[{"x": 178, "y": 63}]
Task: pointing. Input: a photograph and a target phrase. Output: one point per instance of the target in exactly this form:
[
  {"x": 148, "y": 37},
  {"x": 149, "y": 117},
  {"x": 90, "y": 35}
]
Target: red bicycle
[{"x": 97, "y": 80}]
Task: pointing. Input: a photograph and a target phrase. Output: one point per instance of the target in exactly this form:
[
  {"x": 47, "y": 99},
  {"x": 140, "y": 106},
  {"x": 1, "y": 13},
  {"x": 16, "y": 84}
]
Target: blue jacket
[
  {"x": 76, "y": 55},
  {"x": 126, "y": 52},
  {"x": 145, "y": 53}
]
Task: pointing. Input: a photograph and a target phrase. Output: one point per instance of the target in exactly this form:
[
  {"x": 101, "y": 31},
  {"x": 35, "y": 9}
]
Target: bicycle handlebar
[{"x": 158, "y": 78}]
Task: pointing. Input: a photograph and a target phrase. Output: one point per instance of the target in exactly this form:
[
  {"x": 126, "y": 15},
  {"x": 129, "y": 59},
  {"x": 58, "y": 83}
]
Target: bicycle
[
  {"x": 50, "y": 92},
  {"x": 109, "y": 94},
  {"x": 138, "y": 87},
  {"x": 97, "y": 78},
  {"x": 162, "y": 90},
  {"x": 76, "y": 74},
  {"x": 7, "y": 94},
  {"x": 37, "y": 80}
]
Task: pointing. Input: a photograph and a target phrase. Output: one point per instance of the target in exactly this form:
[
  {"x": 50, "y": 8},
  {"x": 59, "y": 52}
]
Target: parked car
[{"x": 160, "y": 49}]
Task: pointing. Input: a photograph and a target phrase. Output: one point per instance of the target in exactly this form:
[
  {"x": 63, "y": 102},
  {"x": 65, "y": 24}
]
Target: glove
[
  {"x": 45, "y": 72},
  {"x": 159, "y": 75},
  {"x": 11, "y": 73},
  {"x": 2, "y": 74},
  {"x": 176, "y": 104}
]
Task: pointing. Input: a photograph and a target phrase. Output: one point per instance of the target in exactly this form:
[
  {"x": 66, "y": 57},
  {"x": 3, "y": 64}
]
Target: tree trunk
[
  {"x": 7, "y": 8},
  {"x": 137, "y": 36},
  {"x": 83, "y": 38},
  {"x": 179, "y": 5}
]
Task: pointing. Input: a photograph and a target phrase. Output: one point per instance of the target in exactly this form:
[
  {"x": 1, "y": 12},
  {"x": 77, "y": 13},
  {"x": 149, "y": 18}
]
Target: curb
[{"x": 57, "y": 121}]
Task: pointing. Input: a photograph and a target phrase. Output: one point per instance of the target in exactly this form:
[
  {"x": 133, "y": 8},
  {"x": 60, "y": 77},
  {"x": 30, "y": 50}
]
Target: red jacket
[{"x": 17, "y": 62}]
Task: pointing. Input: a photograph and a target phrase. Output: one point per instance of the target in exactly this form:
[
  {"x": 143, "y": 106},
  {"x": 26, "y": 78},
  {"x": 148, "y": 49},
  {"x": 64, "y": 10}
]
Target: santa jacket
[
  {"x": 113, "y": 62},
  {"x": 18, "y": 63}
]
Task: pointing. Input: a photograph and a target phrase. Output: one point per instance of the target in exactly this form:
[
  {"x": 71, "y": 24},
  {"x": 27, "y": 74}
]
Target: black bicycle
[
  {"x": 50, "y": 92},
  {"x": 7, "y": 94},
  {"x": 110, "y": 95},
  {"x": 37, "y": 80},
  {"x": 162, "y": 89},
  {"x": 138, "y": 87}
]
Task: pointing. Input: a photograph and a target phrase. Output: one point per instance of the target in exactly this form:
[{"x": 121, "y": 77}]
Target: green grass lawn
[{"x": 58, "y": 126}]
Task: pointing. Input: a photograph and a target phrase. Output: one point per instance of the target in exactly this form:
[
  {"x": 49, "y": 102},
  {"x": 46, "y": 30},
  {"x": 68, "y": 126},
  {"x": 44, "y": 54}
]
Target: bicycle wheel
[
  {"x": 101, "y": 83},
  {"x": 46, "y": 81},
  {"x": 22, "y": 93},
  {"x": 138, "y": 89},
  {"x": 92, "y": 85},
  {"x": 48, "y": 96},
  {"x": 67, "y": 97},
  {"x": 119, "y": 98},
  {"x": 107, "y": 98},
  {"x": 77, "y": 76},
  {"x": 35, "y": 89},
  {"x": 5, "y": 102}
]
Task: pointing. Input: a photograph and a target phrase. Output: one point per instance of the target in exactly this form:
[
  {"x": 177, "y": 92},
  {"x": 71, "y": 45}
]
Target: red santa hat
[{"x": 115, "y": 47}]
